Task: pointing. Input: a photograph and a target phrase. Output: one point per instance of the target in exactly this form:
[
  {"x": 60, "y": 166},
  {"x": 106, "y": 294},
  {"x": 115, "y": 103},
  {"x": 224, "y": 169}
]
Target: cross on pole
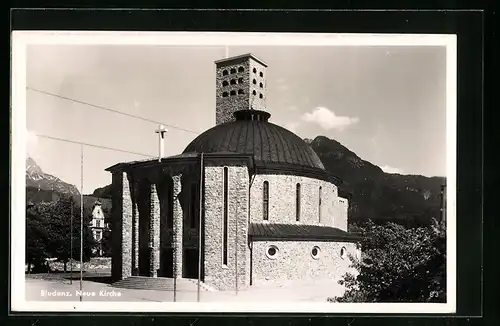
[{"x": 161, "y": 138}]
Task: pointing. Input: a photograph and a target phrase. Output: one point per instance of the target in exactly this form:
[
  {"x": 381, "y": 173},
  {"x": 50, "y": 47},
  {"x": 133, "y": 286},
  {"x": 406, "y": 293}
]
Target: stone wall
[
  {"x": 294, "y": 261},
  {"x": 154, "y": 232},
  {"x": 244, "y": 82},
  {"x": 218, "y": 275},
  {"x": 256, "y": 101},
  {"x": 121, "y": 211},
  {"x": 282, "y": 199}
]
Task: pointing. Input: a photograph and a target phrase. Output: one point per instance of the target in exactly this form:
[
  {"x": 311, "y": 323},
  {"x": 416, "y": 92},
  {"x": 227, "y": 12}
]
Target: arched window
[
  {"x": 319, "y": 204},
  {"x": 224, "y": 73},
  {"x": 261, "y": 74},
  {"x": 261, "y": 85},
  {"x": 240, "y": 80},
  {"x": 240, "y": 91},
  {"x": 241, "y": 69},
  {"x": 233, "y": 93},
  {"x": 265, "y": 201},
  {"x": 254, "y": 92},
  {"x": 225, "y": 217},
  {"x": 233, "y": 81},
  {"x": 254, "y": 70},
  {"x": 225, "y": 83},
  {"x": 297, "y": 202},
  {"x": 233, "y": 70},
  {"x": 260, "y": 95},
  {"x": 254, "y": 81},
  {"x": 225, "y": 94}
]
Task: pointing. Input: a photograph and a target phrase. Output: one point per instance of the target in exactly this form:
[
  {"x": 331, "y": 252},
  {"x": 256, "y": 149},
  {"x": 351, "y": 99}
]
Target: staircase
[{"x": 161, "y": 284}]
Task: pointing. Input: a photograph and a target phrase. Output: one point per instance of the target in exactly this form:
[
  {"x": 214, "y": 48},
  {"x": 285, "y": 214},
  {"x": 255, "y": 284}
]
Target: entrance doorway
[
  {"x": 166, "y": 263},
  {"x": 190, "y": 269}
]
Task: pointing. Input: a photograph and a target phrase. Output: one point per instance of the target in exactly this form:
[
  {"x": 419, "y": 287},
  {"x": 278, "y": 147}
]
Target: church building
[{"x": 247, "y": 201}]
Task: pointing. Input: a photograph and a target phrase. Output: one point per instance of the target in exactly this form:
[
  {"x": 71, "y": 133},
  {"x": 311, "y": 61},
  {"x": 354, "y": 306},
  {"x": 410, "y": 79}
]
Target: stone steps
[{"x": 161, "y": 284}]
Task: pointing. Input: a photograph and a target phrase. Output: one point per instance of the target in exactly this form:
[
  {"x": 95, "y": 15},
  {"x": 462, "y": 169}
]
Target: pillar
[
  {"x": 154, "y": 232},
  {"x": 135, "y": 233},
  {"x": 126, "y": 223},
  {"x": 177, "y": 245}
]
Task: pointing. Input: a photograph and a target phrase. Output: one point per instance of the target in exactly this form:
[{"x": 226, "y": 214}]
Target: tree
[
  {"x": 48, "y": 232},
  {"x": 398, "y": 265},
  {"x": 106, "y": 243},
  {"x": 37, "y": 236}
]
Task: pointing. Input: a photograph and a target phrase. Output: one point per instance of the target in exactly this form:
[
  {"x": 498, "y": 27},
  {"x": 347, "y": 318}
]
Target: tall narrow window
[
  {"x": 297, "y": 203},
  {"x": 265, "y": 201},
  {"x": 319, "y": 205},
  {"x": 224, "y": 233},
  {"x": 192, "y": 207}
]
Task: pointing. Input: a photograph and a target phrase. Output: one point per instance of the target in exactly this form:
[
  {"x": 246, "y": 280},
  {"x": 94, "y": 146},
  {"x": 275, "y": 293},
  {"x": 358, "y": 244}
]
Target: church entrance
[
  {"x": 166, "y": 263},
  {"x": 190, "y": 268}
]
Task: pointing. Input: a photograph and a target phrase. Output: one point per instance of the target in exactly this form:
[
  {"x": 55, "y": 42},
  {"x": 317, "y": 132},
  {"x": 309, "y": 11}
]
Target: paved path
[{"x": 61, "y": 290}]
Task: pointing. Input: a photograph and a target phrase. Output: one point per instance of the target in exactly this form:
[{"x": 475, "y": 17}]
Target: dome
[{"x": 251, "y": 133}]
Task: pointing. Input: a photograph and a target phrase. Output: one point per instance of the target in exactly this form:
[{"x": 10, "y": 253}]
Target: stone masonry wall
[
  {"x": 227, "y": 105},
  {"x": 122, "y": 229},
  {"x": 294, "y": 261},
  {"x": 178, "y": 219},
  {"x": 154, "y": 232},
  {"x": 342, "y": 206},
  {"x": 135, "y": 231},
  {"x": 116, "y": 218},
  {"x": 246, "y": 81},
  {"x": 225, "y": 277},
  {"x": 282, "y": 199},
  {"x": 260, "y": 87}
]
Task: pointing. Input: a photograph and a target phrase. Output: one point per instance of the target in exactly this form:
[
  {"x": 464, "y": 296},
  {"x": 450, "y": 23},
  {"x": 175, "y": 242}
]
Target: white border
[{"x": 20, "y": 39}]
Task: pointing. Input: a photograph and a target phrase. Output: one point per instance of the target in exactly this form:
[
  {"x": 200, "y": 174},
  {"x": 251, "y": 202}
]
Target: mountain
[
  {"x": 36, "y": 178},
  {"x": 405, "y": 199},
  {"x": 103, "y": 192},
  {"x": 43, "y": 187}
]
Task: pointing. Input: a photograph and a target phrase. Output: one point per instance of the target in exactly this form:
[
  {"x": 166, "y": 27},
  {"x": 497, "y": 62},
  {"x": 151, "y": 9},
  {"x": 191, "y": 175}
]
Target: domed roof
[{"x": 252, "y": 134}]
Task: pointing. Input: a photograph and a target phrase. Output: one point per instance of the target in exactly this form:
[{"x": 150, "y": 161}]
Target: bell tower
[{"x": 240, "y": 85}]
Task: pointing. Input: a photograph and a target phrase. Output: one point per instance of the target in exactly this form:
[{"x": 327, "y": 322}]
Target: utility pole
[
  {"x": 71, "y": 243},
  {"x": 81, "y": 223}
]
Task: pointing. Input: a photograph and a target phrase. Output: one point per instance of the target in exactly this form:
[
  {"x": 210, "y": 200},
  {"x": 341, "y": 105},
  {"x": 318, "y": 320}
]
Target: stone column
[
  {"x": 177, "y": 245},
  {"x": 154, "y": 232},
  {"x": 126, "y": 219},
  {"x": 135, "y": 234}
]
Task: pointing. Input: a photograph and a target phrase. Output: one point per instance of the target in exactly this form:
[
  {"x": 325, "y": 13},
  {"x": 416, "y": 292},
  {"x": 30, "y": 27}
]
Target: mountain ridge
[
  {"x": 378, "y": 195},
  {"x": 44, "y": 187}
]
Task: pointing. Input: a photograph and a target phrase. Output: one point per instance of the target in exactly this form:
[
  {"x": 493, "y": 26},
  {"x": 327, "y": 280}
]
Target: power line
[
  {"x": 93, "y": 145},
  {"x": 110, "y": 110}
]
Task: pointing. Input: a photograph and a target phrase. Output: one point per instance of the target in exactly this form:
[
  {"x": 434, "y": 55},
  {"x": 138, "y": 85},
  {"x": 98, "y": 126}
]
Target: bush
[{"x": 398, "y": 265}]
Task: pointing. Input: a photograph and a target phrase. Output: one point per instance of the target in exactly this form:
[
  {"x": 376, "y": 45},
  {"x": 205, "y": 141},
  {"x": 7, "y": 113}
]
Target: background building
[{"x": 98, "y": 226}]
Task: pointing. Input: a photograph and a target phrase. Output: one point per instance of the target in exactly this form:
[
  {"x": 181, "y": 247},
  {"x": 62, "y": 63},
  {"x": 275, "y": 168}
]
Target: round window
[
  {"x": 272, "y": 252},
  {"x": 343, "y": 253},
  {"x": 315, "y": 252}
]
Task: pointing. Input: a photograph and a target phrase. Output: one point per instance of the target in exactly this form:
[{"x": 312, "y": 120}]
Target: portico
[{"x": 155, "y": 218}]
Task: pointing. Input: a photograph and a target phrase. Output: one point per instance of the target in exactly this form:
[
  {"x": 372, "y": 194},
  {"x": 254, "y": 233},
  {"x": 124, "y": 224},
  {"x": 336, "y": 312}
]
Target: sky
[{"x": 385, "y": 103}]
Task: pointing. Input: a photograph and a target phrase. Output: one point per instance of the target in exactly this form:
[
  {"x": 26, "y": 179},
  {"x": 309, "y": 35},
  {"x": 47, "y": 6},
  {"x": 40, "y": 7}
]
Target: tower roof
[{"x": 242, "y": 56}]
